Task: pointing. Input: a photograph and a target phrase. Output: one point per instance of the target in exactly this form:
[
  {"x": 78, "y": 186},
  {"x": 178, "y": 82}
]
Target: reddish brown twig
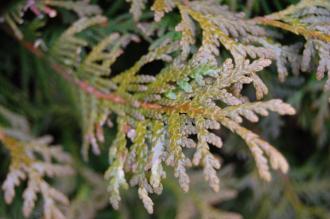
[
  {"x": 84, "y": 85},
  {"x": 2, "y": 135},
  {"x": 111, "y": 96}
]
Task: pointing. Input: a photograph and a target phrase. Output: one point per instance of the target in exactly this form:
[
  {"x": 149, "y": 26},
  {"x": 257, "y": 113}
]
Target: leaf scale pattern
[{"x": 160, "y": 117}]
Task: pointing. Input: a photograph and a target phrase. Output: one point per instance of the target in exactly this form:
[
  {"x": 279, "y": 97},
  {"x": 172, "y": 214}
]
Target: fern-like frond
[
  {"x": 33, "y": 160},
  {"x": 160, "y": 115},
  {"x": 311, "y": 19},
  {"x": 157, "y": 116}
]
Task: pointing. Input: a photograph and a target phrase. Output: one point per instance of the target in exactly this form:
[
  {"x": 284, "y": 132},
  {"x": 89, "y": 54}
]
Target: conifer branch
[
  {"x": 297, "y": 28},
  {"x": 33, "y": 160},
  {"x": 84, "y": 85},
  {"x": 159, "y": 115},
  {"x": 190, "y": 109}
]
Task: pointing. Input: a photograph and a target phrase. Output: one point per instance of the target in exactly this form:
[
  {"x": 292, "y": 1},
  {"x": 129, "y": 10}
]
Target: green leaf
[
  {"x": 184, "y": 85},
  {"x": 170, "y": 95}
]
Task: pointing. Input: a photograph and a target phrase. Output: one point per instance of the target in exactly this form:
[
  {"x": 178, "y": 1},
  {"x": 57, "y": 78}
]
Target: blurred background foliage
[{"x": 30, "y": 88}]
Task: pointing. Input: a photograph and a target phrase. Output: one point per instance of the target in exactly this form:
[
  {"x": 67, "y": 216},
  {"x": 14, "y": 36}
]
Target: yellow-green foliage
[
  {"x": 32, "y": 159},
  {"x": 160, "y": 115}
]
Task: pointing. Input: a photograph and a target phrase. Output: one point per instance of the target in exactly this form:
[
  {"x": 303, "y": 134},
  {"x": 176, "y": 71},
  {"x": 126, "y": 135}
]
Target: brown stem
[
  {"x": 113, "y": 97},
  {"x": 296, "y": 29},
  {"x": 2, "y": 135},
  {"x": 84, "y": 85}
]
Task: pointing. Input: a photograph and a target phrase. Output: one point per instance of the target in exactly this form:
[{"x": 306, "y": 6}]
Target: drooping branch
[
  {"x": 83, "y": 85},
  {"x": 110, "y": 96}
]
